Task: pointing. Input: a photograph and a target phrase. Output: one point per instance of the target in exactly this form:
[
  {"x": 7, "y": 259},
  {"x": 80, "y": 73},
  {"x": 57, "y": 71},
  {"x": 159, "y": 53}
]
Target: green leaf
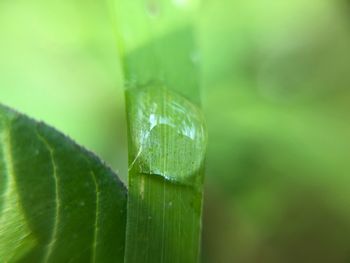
[
  {"x": 166, "y": 129},
  {"x": 58, "y": 202},
  {"x": 167, "y": 146},
  {"x": 158, "y": 44}
]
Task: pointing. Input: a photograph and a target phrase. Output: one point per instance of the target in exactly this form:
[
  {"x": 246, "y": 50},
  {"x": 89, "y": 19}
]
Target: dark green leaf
[{"x": 58, "y": 202}]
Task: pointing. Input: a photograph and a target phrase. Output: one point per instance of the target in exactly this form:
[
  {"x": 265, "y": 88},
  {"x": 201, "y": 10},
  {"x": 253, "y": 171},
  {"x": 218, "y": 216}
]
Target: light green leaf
[
  {"x": 166, "y": 129},
  {"x": 58, "y": 202}
]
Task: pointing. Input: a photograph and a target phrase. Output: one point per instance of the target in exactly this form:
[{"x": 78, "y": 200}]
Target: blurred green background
[{"x": 276, "y": 77}]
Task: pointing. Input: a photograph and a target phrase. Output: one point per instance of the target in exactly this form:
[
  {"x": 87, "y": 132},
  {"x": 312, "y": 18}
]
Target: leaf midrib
[
  {"x": 11, "y": 193},
  {"x": 53, "y": 238}
]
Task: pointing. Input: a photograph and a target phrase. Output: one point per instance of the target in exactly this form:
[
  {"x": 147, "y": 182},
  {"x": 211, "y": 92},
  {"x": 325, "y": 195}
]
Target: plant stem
[{"x": 166, "y": 130}]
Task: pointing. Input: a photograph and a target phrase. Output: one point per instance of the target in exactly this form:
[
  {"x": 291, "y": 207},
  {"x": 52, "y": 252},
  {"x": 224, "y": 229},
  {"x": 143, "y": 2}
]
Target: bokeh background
[{"x": 276, "y": 94}]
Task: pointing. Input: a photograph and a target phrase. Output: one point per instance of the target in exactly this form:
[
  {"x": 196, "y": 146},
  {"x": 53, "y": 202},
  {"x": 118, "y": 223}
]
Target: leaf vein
[
  {"x": 54, "y": 234},
  {"x": 96, "y": 229},
  {"x": 10, "y": 196}
]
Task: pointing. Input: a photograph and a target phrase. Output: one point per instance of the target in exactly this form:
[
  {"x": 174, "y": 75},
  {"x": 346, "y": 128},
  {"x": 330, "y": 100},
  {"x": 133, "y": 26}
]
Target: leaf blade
[
  {"x": 166, "y": 130},
  {"x": 56, "y": 189}
]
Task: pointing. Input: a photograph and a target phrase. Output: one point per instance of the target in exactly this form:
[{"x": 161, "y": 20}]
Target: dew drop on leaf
[{"x": 169, "y": 132}]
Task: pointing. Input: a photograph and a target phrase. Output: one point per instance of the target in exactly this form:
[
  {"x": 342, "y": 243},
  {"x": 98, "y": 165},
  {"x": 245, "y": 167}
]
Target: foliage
[
  {"x": 58, "y": 202},
  {"x": 166, "y": 130}
]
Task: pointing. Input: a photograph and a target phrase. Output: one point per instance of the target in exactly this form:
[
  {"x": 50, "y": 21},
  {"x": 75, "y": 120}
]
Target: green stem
[{"x": 166, "y": 130}]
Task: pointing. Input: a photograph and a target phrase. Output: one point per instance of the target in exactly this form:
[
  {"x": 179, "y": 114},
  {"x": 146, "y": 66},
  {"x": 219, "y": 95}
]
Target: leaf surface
[
  {"x": 58, "y": 202},
  {"x": 166, "y": 129}
]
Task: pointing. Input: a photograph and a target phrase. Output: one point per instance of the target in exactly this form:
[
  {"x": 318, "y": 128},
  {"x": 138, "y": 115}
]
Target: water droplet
[{"x": 169, "y": 133}]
